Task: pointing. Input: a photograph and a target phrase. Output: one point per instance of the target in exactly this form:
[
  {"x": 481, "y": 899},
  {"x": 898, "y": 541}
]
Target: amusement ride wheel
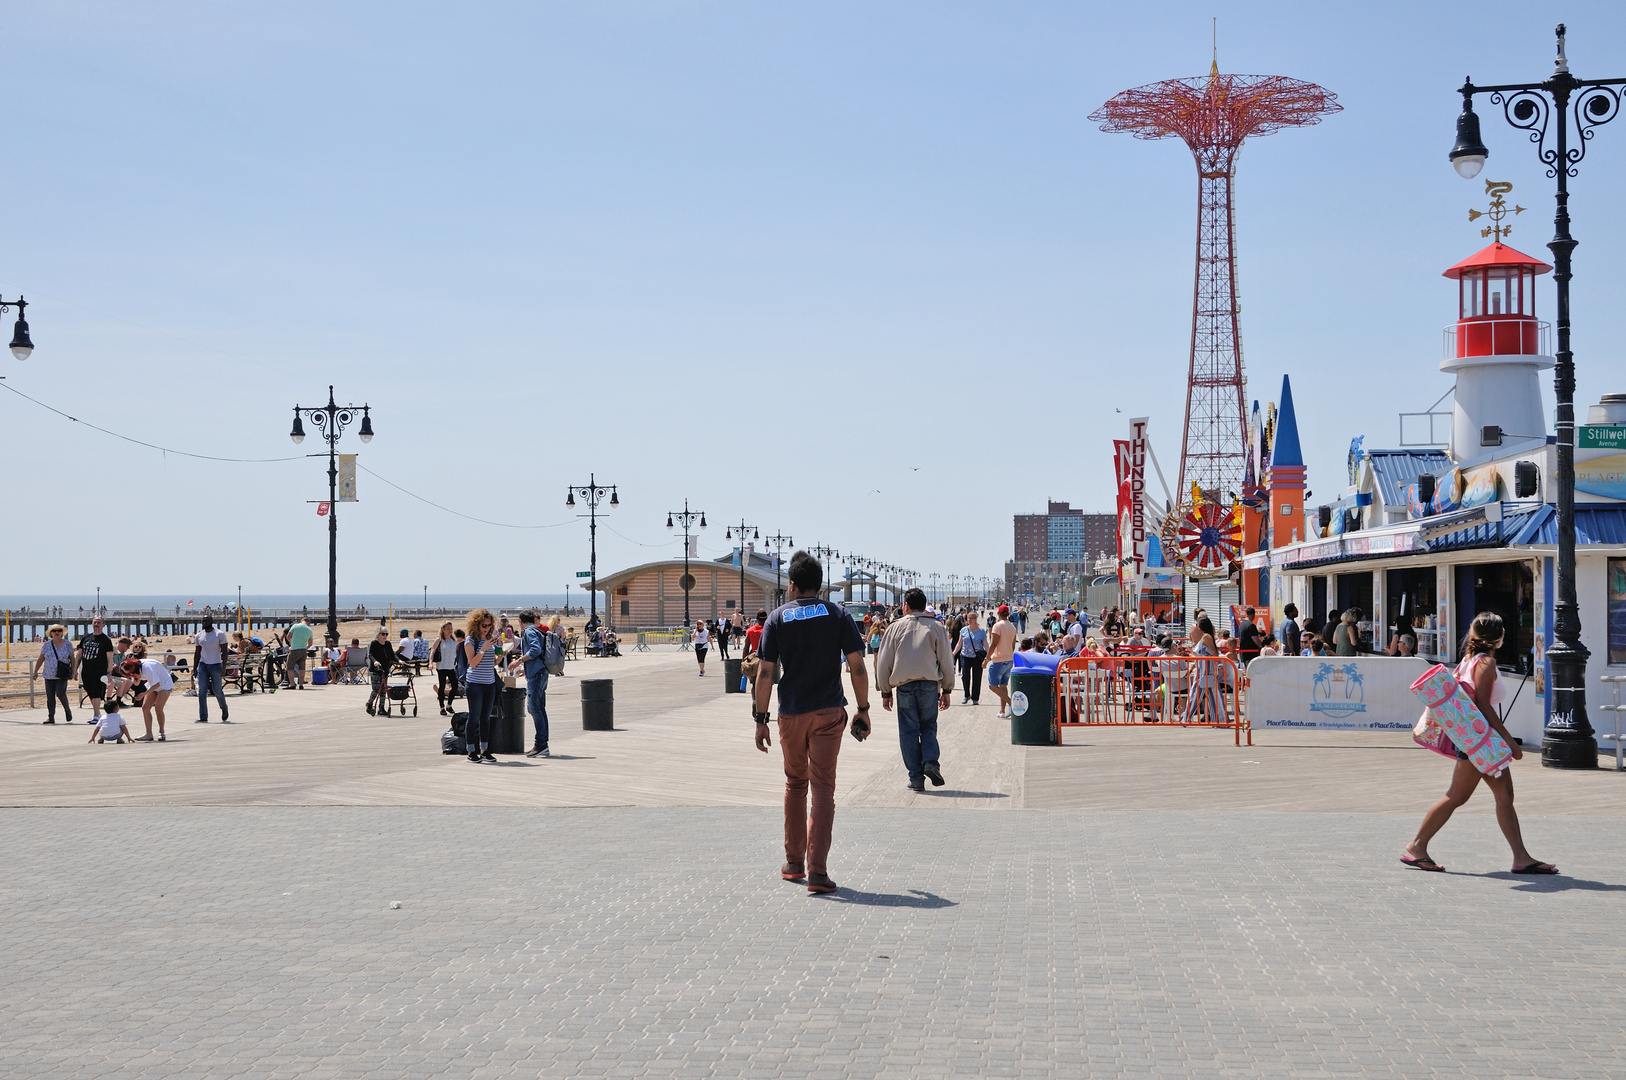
[{"x": 1203, "y": 539}]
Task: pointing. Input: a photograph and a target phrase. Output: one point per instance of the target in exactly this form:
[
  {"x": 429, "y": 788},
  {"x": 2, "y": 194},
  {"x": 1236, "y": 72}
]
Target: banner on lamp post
[{"x": 347, "y": 478}]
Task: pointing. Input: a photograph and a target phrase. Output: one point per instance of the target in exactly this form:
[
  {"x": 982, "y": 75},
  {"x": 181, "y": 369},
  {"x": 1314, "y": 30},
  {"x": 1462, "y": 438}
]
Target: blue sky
[{"x": 769, "y": 257}]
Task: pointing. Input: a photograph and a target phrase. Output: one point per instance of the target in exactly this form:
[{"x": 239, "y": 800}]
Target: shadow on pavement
[
  {"x": 1550, "y": 883},
  {"x": 914, "y": 898},
  {"x": 952, "y": 794}
]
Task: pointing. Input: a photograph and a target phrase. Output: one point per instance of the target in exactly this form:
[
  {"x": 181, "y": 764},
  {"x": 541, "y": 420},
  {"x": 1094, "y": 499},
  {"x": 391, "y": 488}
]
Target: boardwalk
[{"x": 1136, "y": 904}]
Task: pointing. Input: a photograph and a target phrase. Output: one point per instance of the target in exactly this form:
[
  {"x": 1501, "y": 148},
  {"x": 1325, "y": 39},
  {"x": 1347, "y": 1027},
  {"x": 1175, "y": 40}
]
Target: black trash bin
[
  {"x": 508, "y": 722},
  {"x": 1032, "y": 709},
  {"x": 598, "y": 704},
  {"x": 732, "y": 677}
]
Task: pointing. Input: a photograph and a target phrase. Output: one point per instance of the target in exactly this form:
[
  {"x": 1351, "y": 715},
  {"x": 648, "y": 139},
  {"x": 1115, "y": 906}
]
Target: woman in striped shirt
[{"x": 480, "y": 650}]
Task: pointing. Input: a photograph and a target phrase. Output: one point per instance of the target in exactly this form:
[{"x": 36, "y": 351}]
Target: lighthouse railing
[{"x": 1497, "y": 337}]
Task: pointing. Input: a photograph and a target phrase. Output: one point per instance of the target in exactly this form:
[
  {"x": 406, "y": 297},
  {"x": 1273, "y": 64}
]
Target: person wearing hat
[
  {"x": 58, "y": 659},
  {"x": 1001, "y": 657}
]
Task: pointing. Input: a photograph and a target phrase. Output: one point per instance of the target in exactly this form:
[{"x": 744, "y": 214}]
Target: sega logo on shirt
[{"x": 809, "y": 612}]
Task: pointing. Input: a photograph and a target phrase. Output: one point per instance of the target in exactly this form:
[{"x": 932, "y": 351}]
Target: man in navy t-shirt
[{"x": 809, "y": 637}]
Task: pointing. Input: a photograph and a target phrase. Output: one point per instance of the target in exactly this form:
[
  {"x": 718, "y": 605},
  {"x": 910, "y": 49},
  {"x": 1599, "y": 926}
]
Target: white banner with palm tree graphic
[{"x": 1340, "y": 692}]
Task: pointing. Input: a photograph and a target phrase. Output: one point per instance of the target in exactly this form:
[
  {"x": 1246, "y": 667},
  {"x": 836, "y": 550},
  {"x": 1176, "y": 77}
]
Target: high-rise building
[
  {"x": 1063, "y": 534},
  {"x": 1057, "y": 549}
]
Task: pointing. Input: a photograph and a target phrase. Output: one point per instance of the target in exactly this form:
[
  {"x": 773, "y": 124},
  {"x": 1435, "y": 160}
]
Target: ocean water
[{"x": 375, "y": 603}]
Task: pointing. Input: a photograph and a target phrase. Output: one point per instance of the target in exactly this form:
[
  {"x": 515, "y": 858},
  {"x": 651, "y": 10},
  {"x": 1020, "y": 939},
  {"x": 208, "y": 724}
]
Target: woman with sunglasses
[
  {"x": 57, "y": 658},
  {"x": 480, "y": 651}
]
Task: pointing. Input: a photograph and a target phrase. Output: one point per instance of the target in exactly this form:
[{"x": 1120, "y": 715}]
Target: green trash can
[{"x": 1033, "y": 717}]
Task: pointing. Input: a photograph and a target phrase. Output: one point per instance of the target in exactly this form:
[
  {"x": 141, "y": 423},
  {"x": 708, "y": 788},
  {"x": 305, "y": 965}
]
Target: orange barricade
[{"x": 1176, "y": 691}]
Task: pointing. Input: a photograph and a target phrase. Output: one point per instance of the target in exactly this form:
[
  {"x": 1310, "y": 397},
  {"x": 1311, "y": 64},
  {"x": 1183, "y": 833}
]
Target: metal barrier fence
[
  {"x": 1176, "y": 691},
  {"x": 10, "y": 678}
]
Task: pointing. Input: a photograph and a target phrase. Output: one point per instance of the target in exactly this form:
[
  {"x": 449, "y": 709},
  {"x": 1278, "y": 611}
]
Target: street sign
[
  {"x": 1602, "y": 437},
  {"x": 321, "y": 509},
  {"x": 584, "y": 573}
]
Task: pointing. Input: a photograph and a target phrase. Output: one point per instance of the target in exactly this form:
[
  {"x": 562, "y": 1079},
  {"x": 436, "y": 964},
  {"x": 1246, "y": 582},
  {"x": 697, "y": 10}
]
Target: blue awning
[{"x": 1593, "y": 525}]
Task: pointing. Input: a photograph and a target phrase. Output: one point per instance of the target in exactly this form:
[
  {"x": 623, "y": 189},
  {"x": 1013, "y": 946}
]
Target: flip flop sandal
[
  {"x": 1424, "y": 864},
  {"x": 1536, "y": 868}
]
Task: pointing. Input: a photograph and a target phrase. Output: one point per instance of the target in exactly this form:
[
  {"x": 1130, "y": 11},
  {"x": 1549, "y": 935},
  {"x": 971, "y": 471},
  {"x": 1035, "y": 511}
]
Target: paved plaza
[{"x": 1136, "y": 903}]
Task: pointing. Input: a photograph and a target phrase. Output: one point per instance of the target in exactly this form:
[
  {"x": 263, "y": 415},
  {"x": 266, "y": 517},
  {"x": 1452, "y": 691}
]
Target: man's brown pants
[{"x": 810, "y": 742}]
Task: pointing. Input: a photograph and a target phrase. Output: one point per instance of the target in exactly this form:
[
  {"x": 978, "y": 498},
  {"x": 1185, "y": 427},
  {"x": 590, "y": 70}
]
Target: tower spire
[{"x": 1214, "y": 116}]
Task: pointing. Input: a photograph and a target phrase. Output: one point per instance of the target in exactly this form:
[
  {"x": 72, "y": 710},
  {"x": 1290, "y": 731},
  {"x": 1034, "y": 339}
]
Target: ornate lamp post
[
  {"x": 779, "y": 542},
  {"x": 934, "y": 577},
  {"x": 687, "y": 517},
  {"x": 331, "y": 420},
  {"x": 1569, "y": 741},
  {"x": 593, "y": 492},
  {"x": 823, "y": 552},
  {"x": 737, "y": 532}
]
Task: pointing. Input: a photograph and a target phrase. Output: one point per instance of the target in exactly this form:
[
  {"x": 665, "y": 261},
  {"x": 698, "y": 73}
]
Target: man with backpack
[{"x": 541, "y": 651}]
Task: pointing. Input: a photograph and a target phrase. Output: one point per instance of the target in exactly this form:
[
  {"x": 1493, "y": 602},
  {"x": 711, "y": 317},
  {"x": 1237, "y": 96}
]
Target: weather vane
[{"x": 1498, "y": 210}]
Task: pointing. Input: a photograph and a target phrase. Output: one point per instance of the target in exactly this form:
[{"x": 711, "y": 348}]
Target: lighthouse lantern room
[{"x": 1495, "y": 349}]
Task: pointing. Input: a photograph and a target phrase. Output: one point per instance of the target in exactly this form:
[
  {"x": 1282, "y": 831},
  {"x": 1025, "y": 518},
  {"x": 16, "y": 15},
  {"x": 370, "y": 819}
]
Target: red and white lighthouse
[{"x": 1495, "y": 349}]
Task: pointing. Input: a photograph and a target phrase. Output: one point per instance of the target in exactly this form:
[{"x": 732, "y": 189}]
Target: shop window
[
  {"x": 1617, "y": 611},
  {"x": 1507, "y": 588}
]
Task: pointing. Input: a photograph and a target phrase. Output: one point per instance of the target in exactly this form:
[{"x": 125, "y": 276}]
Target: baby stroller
[{"x": 400, "y": 694}]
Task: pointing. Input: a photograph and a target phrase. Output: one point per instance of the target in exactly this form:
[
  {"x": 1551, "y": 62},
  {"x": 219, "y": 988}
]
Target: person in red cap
[{"x": 1001, "y": 654}]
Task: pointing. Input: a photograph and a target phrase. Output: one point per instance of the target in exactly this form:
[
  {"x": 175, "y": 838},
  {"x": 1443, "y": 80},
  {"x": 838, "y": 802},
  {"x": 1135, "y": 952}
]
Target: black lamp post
[
  {"x": 779, "y": 541},
  {"x": 687, "y": 517},
  {"x": 737, "y": 532},
  {"x": 593, "y": 492},
  {"x": 1569, "y": 741},
  {"x": 331, "y": 420},
  {"x": 822, "y": 552}
]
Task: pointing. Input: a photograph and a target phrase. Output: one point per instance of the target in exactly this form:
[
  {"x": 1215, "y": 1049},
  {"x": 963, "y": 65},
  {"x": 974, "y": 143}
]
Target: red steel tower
[{"x": 1213, "y": 115}]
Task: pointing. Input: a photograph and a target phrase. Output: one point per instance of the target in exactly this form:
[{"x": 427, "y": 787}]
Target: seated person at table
[{"x": 111, "y": 727}]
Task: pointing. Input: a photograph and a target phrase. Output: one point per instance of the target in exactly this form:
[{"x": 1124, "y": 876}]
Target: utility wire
[
  {"x": 459, "y": 513},
  {"x": 296, "y": 457},
  {"x": 640, "y": 543},
  {"x": 140, "y": 442}
]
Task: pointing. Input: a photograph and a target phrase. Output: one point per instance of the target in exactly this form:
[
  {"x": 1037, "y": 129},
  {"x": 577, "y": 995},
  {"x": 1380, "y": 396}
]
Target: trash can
[
  {"x": 1032, "y": 709},
  {"x": 508, "y": 722},
  {"x": 732, "y": 677},
  {"x": 598, "y": 704}
]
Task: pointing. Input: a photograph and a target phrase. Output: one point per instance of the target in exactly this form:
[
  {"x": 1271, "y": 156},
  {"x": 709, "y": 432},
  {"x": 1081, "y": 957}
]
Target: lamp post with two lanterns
[
  {"x": 1568, "y": 741},
  {"x": 687, "y": 517},
  {"x": 331, "y": 420},
  {"x": 593, "y": 492},
  {"x": 737, "y": 532}
]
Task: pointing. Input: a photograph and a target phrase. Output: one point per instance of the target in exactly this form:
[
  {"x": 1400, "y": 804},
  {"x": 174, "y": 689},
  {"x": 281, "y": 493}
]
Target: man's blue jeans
[
  {"x": 536, "y": 701},
  {"x": 917, "y": 726},
  {"x": 210, "y": 682}
]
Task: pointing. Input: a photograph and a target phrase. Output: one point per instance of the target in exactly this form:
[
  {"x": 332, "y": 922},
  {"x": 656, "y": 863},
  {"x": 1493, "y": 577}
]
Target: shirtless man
[{"x": 1001, "y": 653}]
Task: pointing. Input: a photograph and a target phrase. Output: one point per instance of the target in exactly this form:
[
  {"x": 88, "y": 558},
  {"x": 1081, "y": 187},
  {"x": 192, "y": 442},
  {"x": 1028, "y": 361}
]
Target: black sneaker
[
  {"x": 204, "y": 720},
  {"x": 475, "y": 757},
  {"x": 52, "y": 720},
  {"x": 917, "y": 785},
  {"x": 485, "y": 755},
  {"x": 934, "y": 774}
]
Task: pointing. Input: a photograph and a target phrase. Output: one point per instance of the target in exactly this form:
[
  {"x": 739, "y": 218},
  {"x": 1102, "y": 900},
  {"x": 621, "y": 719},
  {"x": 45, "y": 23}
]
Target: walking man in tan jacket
[{"x": 916, "y": 659}]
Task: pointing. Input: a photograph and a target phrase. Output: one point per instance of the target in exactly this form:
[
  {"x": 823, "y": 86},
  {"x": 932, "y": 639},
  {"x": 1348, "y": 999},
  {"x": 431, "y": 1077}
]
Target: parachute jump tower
[{"x": 1213, "y": 114}]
